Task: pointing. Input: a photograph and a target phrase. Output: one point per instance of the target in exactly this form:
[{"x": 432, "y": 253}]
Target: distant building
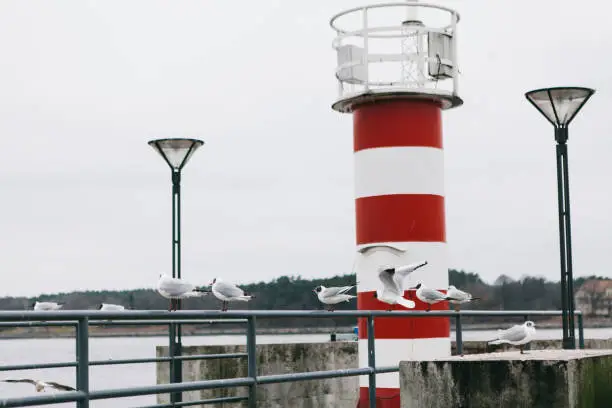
[{"x": 594, "y": 298}]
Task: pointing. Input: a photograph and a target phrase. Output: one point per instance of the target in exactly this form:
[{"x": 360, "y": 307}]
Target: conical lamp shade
[
  {"x": 559, "y": 105},
  {"x": 176, "y": 152}
]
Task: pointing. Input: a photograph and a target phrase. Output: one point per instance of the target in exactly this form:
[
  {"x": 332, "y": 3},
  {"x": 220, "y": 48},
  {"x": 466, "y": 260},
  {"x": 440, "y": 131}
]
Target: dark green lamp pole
[
  {"x": 559, "y": 106},
  {"x": 176, "y": 153}
]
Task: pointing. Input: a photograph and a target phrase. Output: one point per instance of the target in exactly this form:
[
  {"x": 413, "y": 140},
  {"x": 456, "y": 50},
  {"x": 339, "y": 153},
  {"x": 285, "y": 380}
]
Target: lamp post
[
  {"x": 176, "y": 153},
  {"x": 559, "y": 106}
]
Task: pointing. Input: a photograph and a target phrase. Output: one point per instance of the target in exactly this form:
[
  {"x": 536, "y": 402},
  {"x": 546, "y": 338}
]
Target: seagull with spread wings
[
  {"x": 40, "y": 386},
  {"x": 393, "y": 288}
]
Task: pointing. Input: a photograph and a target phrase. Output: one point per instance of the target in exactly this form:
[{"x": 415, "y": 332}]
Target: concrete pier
[
  {"x": 302, "y": 357},
  {"x": 536, "y": 379},
  {"x": 273, "y": 359}
]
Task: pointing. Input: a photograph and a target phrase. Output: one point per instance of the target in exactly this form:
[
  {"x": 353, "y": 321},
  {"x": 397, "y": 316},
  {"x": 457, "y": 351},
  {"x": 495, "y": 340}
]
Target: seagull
[
  {"x": 228, "y": 292},
  {"x": 430, "y": 296},
  {"x": 517, "y": 335},
  {"x": 399, "y": 273},
  {"x": 175, "y": 289},
  {"x": 41, "y": 385},
  {"x": 47, "y": 306},
  {"x": 334, "y": 295},
  {"x": 393, "y": 284},
  {"x": 110, "y": 307},
  {"x": 459, "y": 297}
]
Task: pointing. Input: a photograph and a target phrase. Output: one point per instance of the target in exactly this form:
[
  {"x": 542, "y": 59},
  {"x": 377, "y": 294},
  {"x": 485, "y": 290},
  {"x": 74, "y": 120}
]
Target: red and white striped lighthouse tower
[{"x": 397, "y": 70}]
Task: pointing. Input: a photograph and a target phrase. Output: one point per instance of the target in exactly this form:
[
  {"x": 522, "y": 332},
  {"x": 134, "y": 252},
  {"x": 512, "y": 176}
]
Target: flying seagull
[
  {"x": 517, "y": 335},
  {"x": 41, "y": 385},
  {"x": 393, "y": 288},
  {"x": 334, "y": 295},
  {"x": 430, "y": 296},
  {"x": 175, "y": 289},
  {"x": 109, "y": 307},
  {"x": 392, "y": 279},
  {"x": 399, "y": 273},
  {"x": 459, "y": 297},
  {"x": 46, "y": 305},
  {"x": 228, "y": 292}
]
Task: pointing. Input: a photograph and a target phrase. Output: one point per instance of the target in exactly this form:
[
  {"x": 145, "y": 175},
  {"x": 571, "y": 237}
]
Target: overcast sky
[{"x": 85, "y": 202}]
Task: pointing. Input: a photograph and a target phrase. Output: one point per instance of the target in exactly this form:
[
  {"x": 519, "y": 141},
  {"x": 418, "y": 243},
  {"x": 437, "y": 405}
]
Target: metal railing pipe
[
  {"x": 312, "y": 375},
  {"x": 371, "y": 362},
  {"x": 37, "y": 324},
  {"x": 252, "y": 360},
  {"x": 459, "y": 334},
  {"x": 69, "y": 396},
  {"x": 209, "y": 401},
  {"x": 37, "y": 366},
  {"x": 580, "y": 332},
  {"x": 168, "y": 359},
  {"x": 246, "y": 314},
  {"x": 82, "y": 353},
  {"x": 172, "y": 387}
]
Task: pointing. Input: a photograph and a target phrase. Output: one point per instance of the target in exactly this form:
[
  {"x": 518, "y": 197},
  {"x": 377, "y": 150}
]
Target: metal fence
[{"x": 81, "y": 320}]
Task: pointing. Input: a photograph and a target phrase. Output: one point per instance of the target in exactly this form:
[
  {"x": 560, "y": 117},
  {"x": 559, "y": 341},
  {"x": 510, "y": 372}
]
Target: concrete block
[
  {"x": 274, "y": 359},
  {"x": 536, "y": 379}
]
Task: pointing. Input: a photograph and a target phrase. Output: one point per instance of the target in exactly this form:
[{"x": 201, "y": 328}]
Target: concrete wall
[
  {"x": 273, "y": 359},
  {"x": 295, "y": 358},
  {"x": 478, "y": 347},
  {"x": 536, "y": 379}
]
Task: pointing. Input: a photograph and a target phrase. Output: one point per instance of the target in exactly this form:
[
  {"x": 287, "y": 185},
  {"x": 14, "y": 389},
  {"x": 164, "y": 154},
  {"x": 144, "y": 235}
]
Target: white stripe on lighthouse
[
  {"x": 389, "y": 352},
  {"x": 434, "y": 274},
  {"x": 399, "y": 170}
]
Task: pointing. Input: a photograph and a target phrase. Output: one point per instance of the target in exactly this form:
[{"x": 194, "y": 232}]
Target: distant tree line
[{"x": 296, "y": 293}]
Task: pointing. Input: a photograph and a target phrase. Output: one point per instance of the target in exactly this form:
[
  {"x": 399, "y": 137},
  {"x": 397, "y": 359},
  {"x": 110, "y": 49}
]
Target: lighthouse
[{"x": 396, "y": 72}]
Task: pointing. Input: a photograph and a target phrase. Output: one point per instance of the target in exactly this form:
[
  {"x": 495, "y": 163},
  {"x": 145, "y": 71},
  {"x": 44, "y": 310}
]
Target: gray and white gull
[
  {"x": 228, "y": 292},
  {"x": 393, "y": 288},
  {"x": 517, "y": 335},
  {"x": 333, "y": 295},
  {"x": 176, "y": 289}
]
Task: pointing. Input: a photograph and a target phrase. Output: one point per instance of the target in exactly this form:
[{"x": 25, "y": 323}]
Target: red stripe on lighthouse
[
  {"x": 402, "y": 327},
  {"x": 400, "y": 218},
  {"x": 397, "y": 123}
]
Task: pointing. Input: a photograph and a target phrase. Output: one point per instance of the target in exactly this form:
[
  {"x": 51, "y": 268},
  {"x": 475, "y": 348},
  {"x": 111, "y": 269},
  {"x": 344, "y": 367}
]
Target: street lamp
[
  {"x": 559, "y": 106},
  {"x": 176, "y": 153}
]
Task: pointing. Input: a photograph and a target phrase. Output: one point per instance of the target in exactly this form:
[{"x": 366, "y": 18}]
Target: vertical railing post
[
  {"x": 82, "y": 368},
  {"x": 371, "y": 362},
  {"x": 172, "y": 352},
  {"x": 459, "y": 334},
  {"x": 528, "y": 345},
  {"x": 252, "y": 359},
  {"x": 580, "y": 332}
]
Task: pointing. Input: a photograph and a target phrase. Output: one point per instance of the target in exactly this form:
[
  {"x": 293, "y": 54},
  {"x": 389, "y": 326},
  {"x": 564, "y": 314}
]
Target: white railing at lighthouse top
[{"x": 396, "y": 49}]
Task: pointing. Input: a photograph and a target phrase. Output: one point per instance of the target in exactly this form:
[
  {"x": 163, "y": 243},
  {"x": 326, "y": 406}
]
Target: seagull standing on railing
[
  {"x": 228, "y": 292},
  {"x": 109, "y": 307},
  {"x": 430, "y": 296},
  {"x": 334, "y": 295},
  {"x": 41, "y": 385},
  {"x": 175, "y": 289},
  {"x": 393, "y": 288},
  {"x": 459, "y": 297},
  {"x": 38, "y": 306},
  {"x": 517, "y": 335}
]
